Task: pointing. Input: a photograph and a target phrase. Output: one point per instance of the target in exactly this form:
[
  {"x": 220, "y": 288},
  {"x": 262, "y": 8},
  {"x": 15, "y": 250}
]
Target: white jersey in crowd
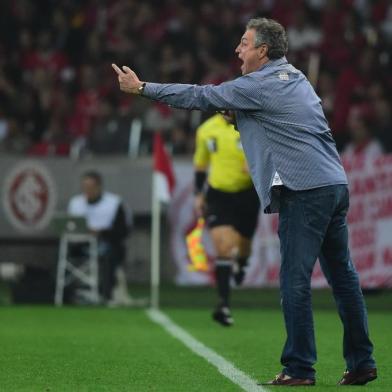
[{"x": 99, "y": 215}]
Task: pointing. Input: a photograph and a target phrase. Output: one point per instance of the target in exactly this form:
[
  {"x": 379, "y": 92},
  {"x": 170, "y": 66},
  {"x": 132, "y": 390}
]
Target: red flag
[{"x": 163, "y": 172}]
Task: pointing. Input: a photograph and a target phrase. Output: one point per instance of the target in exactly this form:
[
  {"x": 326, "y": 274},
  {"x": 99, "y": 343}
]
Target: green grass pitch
[{"x": 99, "y": 349}]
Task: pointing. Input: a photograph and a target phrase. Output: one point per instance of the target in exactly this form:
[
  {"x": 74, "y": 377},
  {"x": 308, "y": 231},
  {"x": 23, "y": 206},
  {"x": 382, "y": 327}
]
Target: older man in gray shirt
[{"x": 297, "y": 172}]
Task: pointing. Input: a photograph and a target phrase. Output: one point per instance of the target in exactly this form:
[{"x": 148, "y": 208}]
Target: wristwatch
[{"x": 140, "y": 89}]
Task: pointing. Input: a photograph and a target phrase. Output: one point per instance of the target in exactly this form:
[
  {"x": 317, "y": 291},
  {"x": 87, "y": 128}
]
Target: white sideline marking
[{"x": 224, "y": 366}]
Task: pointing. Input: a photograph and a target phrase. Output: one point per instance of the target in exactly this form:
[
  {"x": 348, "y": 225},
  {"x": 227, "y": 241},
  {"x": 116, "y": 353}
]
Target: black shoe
[
  {"x": 239, "y": 270},
  {"x": 239, "y": 276},
  {"x": 223, "y": 316}
]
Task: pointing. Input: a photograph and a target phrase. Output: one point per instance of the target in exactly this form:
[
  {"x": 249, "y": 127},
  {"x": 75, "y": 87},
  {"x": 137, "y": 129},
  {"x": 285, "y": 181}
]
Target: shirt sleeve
[
  {"x": 240, "y": 94},
  {"x": 71, "y": 207},
  {"x": 119, "y": 229},
  {"x": 201, "y": 158},
  {"x": 75, "y": 207}
]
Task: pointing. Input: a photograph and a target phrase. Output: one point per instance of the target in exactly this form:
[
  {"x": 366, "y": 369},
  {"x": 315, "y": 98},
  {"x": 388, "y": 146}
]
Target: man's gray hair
[{"x": 271, "y": 33}]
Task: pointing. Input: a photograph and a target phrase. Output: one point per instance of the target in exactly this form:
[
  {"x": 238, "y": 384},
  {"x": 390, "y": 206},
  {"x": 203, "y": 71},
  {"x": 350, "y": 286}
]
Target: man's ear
[{"x": 262, "y": 51}]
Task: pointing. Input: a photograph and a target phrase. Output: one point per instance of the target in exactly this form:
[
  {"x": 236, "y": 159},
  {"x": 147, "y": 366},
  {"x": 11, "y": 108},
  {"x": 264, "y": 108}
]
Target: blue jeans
[{"x": 312, "y": 224}]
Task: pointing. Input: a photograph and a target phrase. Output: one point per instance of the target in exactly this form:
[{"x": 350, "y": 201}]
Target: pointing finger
[
  {"x": 128, "y": 70},
  {"x": 117, "y": 69}
]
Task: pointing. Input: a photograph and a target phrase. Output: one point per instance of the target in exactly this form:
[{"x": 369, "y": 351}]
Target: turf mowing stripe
[{"x": 224, "y": 366}]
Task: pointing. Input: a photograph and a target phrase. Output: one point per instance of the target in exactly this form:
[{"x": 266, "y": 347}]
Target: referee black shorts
[{"x": 237, "y": 209}]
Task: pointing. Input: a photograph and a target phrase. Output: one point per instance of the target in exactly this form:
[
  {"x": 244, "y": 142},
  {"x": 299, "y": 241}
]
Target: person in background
[
  {"x": 383, "y": 123},
  {"x": 362, "y": 135},
  {"x": 107, "y": 218},
  {"x": 225, "y": 196}
]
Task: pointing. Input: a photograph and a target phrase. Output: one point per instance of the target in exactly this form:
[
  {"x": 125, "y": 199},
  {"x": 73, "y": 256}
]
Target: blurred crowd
[{"x": 59, "y": 95}]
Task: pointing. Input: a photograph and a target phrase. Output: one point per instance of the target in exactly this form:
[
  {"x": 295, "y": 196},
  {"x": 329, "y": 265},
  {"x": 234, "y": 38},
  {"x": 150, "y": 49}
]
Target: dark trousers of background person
[
  {"x": 312, "y": 224},
  {"x": 111, "y": 255}
]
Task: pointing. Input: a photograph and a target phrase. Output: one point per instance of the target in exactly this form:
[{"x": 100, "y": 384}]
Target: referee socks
[{"x": 223, "y": 269}]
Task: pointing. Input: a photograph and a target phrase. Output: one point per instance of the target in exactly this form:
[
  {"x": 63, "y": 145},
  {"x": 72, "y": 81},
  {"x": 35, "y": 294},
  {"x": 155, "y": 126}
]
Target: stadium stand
[{"x": 56, "y": 81}]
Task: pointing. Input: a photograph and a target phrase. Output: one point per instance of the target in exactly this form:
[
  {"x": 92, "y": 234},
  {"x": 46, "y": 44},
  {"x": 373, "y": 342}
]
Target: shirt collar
[
  {"x": 96, "y": 200},
  {"x": 274, "y": 63}
]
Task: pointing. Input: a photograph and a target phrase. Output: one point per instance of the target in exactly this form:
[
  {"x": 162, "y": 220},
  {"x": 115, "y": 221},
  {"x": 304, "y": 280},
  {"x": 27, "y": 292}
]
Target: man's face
[
  {"x": 252, "y": 58},
  {"x": 90, "y": 188}
]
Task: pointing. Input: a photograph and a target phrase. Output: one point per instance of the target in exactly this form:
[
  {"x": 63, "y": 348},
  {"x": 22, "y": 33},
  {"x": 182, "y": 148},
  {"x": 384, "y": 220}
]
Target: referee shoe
[
  {"x": 239, "y": 276},
  {"x": 223, "y": 316}
]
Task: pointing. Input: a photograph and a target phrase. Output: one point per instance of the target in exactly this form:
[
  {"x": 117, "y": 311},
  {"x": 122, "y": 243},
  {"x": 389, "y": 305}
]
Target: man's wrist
[
  {"x": 199, "y": 181},
  {"x": 140, "y": 89}
]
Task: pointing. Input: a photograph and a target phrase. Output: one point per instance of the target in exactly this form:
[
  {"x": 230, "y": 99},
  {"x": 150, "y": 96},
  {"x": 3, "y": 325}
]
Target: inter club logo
[{"x": 29, "y": 196}]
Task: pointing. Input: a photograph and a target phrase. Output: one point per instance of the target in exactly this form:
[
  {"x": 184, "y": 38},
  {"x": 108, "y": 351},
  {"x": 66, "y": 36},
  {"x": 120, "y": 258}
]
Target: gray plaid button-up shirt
[{"x": 284, "y": 132}]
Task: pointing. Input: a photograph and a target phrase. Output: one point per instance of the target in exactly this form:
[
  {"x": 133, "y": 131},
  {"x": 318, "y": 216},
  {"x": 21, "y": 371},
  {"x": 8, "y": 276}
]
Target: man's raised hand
[{"x": 127, "y": 79}]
